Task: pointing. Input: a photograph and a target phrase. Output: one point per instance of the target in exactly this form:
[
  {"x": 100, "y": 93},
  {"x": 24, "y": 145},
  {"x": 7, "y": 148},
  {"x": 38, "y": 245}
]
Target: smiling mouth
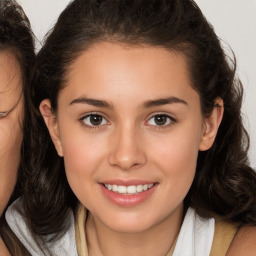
[{"x": 128, "y": 190}]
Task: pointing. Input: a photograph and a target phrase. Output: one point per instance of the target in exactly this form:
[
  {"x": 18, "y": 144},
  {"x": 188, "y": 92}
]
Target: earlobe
[
  {"x": 52, "y": 124},
  {"x": 211, "y": 125}
]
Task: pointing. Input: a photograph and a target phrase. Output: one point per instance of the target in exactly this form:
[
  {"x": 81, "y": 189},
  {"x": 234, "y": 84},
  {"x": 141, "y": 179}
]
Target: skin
[
  {"x": 129, "y": 144},
  {"x": 244, "y": 242},
  {"x": 10, "y": 128},
  {"x": 3, "y": 249}
]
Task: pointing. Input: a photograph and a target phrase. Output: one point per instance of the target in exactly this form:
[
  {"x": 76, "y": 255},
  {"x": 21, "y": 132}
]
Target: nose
[{"x": 127, "y": 149}]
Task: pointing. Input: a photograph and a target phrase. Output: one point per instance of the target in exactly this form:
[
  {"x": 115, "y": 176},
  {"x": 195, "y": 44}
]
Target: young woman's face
[
  {"x": 10, "y": 125},
  {"x": 129, "y": 126}
]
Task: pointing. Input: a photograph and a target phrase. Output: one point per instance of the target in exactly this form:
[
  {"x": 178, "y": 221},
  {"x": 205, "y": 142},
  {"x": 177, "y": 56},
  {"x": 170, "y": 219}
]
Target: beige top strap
[
  {"x": 223, "y": 236},
  {"x": 86, "y": 237},
  {"x": 81, "y": 243}
]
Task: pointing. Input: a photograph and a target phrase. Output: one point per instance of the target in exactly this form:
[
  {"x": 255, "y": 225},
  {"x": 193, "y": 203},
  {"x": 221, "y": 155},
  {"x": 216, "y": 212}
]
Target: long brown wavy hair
[
  {"x": 224, "y": 184},
  {"x": 16, "y": 37}
]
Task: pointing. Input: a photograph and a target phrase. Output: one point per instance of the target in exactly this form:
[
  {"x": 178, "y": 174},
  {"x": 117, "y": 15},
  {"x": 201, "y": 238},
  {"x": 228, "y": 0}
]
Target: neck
[
  {"x": 4, "y": 251},
  {"x": 157, "y": 240}
]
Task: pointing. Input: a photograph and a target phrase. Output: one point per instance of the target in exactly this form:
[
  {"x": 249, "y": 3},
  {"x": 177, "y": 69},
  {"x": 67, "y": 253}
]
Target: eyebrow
[
  {"x": 92, "y": 102},
  {"x": 163, "y": 101},
  {"x": 147, "y": 104}
]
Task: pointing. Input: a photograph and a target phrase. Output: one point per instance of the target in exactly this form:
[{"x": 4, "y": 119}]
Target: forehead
[
  {"x": 130, "y": 52},
  {"x": 109, "y": 57},
  {"x": 109, "y": 65},
  {"x": 10, "y": 72}
]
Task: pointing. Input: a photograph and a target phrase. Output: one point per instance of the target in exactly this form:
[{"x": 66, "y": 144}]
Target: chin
[{"x": 130, "y": 224}]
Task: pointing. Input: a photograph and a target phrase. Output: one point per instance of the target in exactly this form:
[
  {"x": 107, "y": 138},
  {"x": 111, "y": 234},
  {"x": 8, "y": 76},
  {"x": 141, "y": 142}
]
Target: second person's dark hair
[{"x": 16, "y": 38}]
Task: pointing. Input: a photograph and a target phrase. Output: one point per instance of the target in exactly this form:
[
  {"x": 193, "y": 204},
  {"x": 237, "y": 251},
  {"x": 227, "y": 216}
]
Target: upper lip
[{"x": 127, "y": 182}]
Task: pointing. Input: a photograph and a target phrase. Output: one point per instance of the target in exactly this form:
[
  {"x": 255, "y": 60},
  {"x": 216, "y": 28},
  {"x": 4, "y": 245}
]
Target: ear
[
  {"x": 52, "y": 124},
  {"x": 211, "y": 125}
]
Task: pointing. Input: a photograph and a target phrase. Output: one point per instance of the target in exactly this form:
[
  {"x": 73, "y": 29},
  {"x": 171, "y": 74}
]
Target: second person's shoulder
[{"x": 244, "y": 242}]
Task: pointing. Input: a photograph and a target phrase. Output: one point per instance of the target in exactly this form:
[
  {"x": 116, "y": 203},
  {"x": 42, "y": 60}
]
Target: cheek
[
  {"x": 11, "y": 138},
  {"x": 179, "y": 162},
  {"x": 176, "y": 155},
  {"x": 178, "y": 148},
  {"x": 81, "y": 152},
  {"x": 83, "y": 155}
]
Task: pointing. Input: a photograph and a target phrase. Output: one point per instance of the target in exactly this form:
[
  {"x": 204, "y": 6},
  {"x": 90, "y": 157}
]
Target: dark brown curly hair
[
  {"x": 16, "y": 37},
  {"x": 224, "y": 185}
]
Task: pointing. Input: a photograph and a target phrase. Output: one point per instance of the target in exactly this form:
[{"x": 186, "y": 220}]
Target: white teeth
[
  {"x": 129, "y": 190},
  {"x": 139, "y": 188},
  {"x": 115, "y": 188},
  {"x": 121, "y": 189}
]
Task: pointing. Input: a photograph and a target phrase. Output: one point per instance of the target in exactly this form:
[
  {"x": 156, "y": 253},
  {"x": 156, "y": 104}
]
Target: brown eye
[
  {"x": 160, "y": 120},
  {"x": 94, "y": 120}
]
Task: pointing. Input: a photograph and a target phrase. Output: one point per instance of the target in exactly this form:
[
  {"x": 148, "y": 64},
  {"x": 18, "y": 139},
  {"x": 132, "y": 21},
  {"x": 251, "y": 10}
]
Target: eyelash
[
  {"x": 3, "y": 114},
  {"x": 93, "y": 126},
  {"x": 170, "y": 120}
]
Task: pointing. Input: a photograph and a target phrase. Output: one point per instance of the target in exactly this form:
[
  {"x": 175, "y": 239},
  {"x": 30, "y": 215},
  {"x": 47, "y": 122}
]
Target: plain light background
[{"x": 234, "y": 22}]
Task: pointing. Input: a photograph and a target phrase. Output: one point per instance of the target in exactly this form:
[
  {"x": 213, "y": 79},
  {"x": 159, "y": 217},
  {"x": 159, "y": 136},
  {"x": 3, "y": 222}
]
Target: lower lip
[{"x": 127, "y": 200}]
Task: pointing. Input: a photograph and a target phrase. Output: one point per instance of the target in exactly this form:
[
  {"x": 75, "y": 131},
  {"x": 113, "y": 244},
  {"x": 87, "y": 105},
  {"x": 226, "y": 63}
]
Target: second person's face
[{"x": 11, "y": 98}]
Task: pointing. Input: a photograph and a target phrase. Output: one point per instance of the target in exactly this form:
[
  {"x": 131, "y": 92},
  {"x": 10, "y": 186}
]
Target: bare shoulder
[{"x": 244, "y": 242}]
